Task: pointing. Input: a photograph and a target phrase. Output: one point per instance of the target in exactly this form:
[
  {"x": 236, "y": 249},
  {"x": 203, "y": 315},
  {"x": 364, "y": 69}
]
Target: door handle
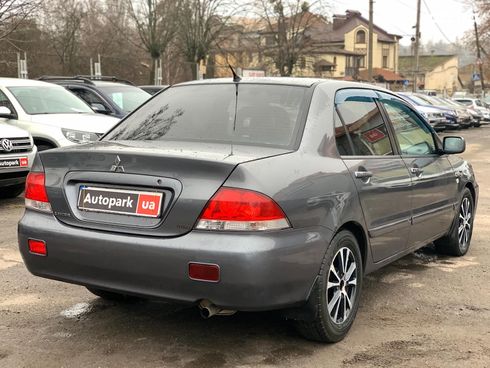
[
  {"x": 416, "y": 171},
  {"x": 363, "y": 174}
]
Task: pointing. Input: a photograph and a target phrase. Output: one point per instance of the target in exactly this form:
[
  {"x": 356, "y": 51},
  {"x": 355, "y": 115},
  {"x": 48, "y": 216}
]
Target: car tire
[
  {"x": 457, "y": 242},
  {"x": 11, "y": 191},
  {"x": 112, "y": 296},
  {"x": 333, "y": 290}
]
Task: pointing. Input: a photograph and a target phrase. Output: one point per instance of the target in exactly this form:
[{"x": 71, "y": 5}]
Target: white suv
[
  {"x": 17, "y": 152},
  {"x": 54, "y": 116}
]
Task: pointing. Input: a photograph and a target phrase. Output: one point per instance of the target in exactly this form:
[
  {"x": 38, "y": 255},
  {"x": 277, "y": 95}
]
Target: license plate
[
  {"x": 8, "y": 163},
  {"x": 119, "y": 201}
]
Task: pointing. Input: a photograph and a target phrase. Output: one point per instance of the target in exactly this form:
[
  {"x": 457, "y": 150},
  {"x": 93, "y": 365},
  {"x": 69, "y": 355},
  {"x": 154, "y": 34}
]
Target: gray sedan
[{"x": 259, "y": 194}]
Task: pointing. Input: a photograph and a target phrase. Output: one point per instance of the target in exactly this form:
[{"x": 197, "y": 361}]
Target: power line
[{"x": 437, "y": 24}]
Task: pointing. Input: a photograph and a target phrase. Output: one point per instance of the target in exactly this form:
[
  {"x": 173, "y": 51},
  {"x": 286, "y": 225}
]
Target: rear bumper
[{"x": 258, "y": 271}]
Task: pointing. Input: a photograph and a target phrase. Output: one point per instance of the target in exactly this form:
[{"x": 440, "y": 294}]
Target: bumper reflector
[
  {"x": 204, "y": 272},
  {"x": 37, "y": 247}
]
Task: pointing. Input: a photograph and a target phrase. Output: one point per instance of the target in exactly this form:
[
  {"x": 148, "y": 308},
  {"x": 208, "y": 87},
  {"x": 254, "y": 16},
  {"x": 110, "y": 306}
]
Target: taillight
[
  {"x": 36, "y": 197},
  {"x": 242, "y": 210}
]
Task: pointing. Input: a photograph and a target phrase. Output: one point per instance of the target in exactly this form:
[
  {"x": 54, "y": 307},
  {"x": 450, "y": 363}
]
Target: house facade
[
  {"x": 436, "y": 72},
  {"x": 336, "y": 49}
]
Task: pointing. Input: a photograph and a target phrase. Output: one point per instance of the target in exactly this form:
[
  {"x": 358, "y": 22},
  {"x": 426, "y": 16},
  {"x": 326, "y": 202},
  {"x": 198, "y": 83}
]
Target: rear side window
[
  {"x": 264, "y": 115},
  {"x": 360, "y": 125}
]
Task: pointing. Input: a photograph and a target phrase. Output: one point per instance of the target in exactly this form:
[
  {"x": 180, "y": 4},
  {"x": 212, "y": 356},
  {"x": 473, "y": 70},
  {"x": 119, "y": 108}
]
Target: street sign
[{"x": 475, "y": 77}]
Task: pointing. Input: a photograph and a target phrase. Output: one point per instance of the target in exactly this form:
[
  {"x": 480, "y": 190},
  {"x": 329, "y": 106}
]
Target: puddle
[{"x": 77, "y": 311}]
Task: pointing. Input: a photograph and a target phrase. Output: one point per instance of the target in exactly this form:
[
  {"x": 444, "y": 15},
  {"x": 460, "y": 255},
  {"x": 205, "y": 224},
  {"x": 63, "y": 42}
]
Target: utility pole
[
  {"x": 370, "y": 45},
  {"x": 416, "y": 47},
  {"x": 478, "y": 54}
]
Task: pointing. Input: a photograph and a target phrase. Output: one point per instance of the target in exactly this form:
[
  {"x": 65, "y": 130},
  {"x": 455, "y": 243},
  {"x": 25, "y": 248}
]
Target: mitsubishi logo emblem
[
  {"x": 117, "y": 167},
  {"x": 7, "y": 145}
]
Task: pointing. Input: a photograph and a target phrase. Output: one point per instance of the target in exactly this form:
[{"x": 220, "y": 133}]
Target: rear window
[{"x": 266, "y": 115}]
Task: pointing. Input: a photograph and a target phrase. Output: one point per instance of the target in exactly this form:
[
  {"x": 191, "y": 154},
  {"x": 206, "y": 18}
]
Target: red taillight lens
[
  {"x": 35, "y": 194},
  {"x": 35, "y": 188},
  {"x": 37, "y": 247},
  {"x": 242, "y": 210},
  {"x": 204, "y": 272}
]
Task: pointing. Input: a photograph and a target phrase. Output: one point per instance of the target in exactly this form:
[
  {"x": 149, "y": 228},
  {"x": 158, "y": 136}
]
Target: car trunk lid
[{"x": 184, "y": 175}]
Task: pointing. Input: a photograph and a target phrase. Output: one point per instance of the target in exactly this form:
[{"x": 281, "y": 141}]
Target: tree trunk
[{"x": 151, "y": 81}]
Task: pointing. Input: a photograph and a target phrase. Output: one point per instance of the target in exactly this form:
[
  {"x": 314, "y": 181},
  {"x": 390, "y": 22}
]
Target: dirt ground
[{"x": 422, "y": 311}]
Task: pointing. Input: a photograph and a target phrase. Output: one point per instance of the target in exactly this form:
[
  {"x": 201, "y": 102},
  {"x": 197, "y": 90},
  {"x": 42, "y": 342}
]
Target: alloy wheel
[
  {"x": 465, "y": 223},
  {"x": 342, "y": 285}
]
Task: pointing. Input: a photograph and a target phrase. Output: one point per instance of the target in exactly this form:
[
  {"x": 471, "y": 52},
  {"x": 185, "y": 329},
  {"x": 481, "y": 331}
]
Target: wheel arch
[
  {"x": 471, "y": 187},
  {"x": 358, "y": 231},
  {"x": 44, "y": 141}
]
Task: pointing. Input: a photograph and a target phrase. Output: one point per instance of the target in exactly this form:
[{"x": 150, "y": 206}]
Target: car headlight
[
  {"x": 77, "y": 136},
  {"x": 424, "y": 114}
]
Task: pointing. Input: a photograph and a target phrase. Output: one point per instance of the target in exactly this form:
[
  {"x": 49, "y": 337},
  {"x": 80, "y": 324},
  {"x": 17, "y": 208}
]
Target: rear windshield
[{"x": 266, "y": 115}]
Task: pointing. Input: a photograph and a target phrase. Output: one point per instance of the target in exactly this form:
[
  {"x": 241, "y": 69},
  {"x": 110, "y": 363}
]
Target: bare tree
[
  {"x": 286, "y": 35},
  {"x": 63, "y": 25},
  {"x": 201, "y": 24},
  {"x": 156, "y": 24},
  {"x": 13, "y": 13}
]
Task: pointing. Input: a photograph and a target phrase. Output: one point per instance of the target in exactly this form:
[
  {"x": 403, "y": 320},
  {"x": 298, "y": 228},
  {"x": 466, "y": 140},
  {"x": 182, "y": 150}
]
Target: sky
[{"x": 454, "y": 17}]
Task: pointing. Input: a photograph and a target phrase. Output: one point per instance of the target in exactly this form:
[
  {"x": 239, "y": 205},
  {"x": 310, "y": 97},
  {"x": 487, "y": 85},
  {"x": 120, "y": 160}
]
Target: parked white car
[
  {"x": 475, "y": 104},
  {"x": 54, "y": 116},
  {"x": 17, "y": 151}
]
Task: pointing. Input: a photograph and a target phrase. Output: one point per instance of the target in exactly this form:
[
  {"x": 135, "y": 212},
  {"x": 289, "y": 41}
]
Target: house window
[
  {"x": 360, "y": 62},
  {"x": 385, "y": 61},
  {"x": 386, "y": 54},
  {"x": 326, "y": 68},
  {"x": 361, "y": 36}
]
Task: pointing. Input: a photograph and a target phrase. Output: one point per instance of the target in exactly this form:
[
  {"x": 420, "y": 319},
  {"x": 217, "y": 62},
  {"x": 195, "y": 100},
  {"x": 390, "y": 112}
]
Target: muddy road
[{"x": 422, "y": 311}]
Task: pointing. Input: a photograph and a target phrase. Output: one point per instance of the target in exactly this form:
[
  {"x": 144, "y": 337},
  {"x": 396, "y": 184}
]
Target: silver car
[{"x": 249, "y": 195}]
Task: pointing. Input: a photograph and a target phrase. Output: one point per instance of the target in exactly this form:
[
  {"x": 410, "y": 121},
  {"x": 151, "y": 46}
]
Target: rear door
[
  {"x": 434, "y": 186},
  {"x": 381, "y": 176}
]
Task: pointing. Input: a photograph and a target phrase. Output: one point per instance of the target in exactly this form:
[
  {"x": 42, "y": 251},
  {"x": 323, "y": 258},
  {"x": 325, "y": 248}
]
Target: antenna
[{"x": 236, "y": 77}]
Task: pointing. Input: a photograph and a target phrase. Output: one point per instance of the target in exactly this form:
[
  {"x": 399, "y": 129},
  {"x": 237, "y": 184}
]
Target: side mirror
[
  {"x": 452, "y": 145},
  {"x": 98, "y": 107},
  {"x": 5, "y": 112}
]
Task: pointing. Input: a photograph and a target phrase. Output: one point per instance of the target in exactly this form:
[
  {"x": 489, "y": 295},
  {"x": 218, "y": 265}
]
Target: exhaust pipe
[{"x": 208, "y": 309}]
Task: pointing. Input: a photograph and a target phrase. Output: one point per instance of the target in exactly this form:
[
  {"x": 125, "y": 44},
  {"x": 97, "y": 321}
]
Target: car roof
[
  {"x": 287, "y": 81},
  {"x": 16, "y": 82},
  {"x": 304, "y": 82}
]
